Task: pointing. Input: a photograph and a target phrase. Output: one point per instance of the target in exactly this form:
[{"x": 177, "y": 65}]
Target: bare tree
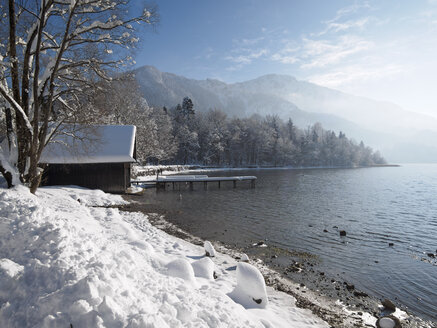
[{"x": 51, "y": 54}]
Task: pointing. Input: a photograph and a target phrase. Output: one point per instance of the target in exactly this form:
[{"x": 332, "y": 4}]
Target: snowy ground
[{"x": 64, "y": 260}]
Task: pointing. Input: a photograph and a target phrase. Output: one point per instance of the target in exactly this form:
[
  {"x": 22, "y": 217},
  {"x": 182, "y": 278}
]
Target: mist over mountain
[{"x": 401, "y": 136}]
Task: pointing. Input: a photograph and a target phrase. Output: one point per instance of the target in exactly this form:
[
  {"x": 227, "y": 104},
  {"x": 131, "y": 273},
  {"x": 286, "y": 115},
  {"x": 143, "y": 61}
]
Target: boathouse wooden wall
[{"x": 109, "y": 177}]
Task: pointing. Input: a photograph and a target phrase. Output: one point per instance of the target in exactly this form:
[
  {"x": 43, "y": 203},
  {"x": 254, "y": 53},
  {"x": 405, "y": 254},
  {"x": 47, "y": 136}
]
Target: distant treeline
[
  {"x": 212, "y": 138},
  {"x": 181, "y": 135}
]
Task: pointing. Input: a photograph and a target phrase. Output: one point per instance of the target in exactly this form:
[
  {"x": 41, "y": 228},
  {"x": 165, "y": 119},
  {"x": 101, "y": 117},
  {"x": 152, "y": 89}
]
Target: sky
[{"x": 384, "y": 50}]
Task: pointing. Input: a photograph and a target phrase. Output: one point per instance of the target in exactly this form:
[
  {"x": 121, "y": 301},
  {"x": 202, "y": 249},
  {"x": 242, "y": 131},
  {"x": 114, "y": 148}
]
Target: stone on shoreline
[
  {"x": 388, "y": 305},
  {"x": 388, "y": 322},
  {"x": 358, "y": 293},
  {"x": 349, "y": 286},
  {"x": 342, "y": 233},
  {"x": 261, "y": 243}
]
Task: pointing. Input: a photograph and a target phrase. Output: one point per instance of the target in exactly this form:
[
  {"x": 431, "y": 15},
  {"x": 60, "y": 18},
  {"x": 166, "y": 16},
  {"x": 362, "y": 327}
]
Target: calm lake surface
[{"x": 292, "y": 208}]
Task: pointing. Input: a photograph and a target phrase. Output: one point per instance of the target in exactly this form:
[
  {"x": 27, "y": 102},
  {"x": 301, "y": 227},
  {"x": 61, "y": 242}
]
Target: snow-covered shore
[{"x": 68, "y": 257}]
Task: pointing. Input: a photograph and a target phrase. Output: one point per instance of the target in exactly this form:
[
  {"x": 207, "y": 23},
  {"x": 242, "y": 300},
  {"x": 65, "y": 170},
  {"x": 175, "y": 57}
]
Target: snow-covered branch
[{"x": 16, "y": 106}]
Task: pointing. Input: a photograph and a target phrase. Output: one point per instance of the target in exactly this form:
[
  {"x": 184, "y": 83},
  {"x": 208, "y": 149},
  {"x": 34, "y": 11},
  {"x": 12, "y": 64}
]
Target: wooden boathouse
[{"x": 95, "y": 157}]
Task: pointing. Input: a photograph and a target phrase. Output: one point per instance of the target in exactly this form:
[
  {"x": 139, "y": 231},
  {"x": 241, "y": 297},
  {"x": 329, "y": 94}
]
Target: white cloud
[
  {"x": 288, "y": 54},
  {"x": 347, "y": 25},
  {"x": 321, "y": 53},
  {"x": 249, "y": 42},
  {"x": 247, "y": 58},
  {"x": 348, "y": 10},
  {"x": 358, "y": 73},
  {"x": 284, "y": 59}
]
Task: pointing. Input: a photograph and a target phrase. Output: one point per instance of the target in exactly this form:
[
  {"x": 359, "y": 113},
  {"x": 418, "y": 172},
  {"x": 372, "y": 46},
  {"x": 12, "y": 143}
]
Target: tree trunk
[
  {"x": 23, "y": 142},
  {"x": 9, "y": 127},
  {"x": 35, "y": 180},
  {"x": 7, "y": 175}
]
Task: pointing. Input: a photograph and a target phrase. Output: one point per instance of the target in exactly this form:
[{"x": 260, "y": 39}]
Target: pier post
[
  {"x": 160, "y": 185},
  {"x": 252, "y": 183},
  {"x": 219, "y": 184},
  {"x": 235, "y": 183},
  {"x": 205, "y": 185},
  {"x": 173, "y": 185},
  {"x": 191, "y": 185}
]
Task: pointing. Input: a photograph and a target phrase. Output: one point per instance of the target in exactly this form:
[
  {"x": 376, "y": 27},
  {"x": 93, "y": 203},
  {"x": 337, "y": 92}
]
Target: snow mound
[
  {"x": 244, "y": 258},
  {"x": 209, "y": 249},
  {"x": 204, "y": 268},
  {"x": 181, "y": 268},
  {"x": 251, "y": 288}
]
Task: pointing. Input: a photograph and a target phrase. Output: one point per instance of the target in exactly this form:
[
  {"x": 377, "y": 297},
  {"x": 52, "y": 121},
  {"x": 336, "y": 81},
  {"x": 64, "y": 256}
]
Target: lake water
[{"x": 292, "y": 208}]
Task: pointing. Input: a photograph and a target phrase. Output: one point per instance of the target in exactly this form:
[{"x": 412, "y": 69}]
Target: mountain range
[{"x": 400, "y": 135}]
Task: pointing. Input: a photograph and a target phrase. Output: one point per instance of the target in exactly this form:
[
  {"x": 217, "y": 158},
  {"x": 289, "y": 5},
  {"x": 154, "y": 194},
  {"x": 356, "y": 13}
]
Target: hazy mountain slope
[
  {"x": 376, "y": 115},
  {"x": 399, "y": 134},
  {"x": 166, "y": 89}
]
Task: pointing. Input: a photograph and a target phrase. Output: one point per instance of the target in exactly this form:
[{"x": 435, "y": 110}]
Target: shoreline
[
  {"x": 146, "y": 173},
  {"x": 331, "y": 298}
]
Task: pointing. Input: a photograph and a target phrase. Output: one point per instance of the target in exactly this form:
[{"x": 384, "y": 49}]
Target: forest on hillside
[{"x": 185, "y": 135}]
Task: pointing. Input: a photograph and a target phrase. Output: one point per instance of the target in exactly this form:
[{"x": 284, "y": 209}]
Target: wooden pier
[{"x": 164, "y": 182}]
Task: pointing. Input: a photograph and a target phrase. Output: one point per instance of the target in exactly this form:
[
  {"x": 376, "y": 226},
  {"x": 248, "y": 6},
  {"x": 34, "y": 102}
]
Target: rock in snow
[
  {"x": 251, "y": 288},
  {"x": 64, "y": 262},
  {"x": 209, "y": 249}
]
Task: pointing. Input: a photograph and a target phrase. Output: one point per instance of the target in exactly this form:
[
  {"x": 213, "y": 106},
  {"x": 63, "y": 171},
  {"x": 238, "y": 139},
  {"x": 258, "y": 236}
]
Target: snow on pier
[{"x": 163, "y": 182}]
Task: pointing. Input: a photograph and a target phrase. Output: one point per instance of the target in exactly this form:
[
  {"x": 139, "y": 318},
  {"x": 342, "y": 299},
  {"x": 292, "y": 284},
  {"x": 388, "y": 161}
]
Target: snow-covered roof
[{"x": 84, "y": 144}]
